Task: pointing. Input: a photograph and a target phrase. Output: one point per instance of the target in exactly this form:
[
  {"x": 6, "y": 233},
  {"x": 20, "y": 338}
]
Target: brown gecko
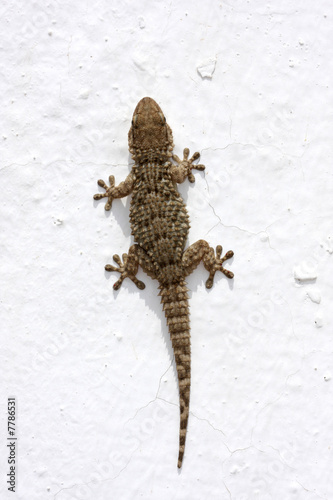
[{"x": 160, "y": 226}]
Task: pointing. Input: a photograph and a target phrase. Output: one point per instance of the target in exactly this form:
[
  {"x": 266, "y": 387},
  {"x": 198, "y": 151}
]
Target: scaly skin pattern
[{"x": 160, "y": 226}]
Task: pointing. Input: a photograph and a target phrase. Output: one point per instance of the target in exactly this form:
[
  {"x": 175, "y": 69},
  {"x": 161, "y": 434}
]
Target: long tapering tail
[{"x": 175, "y": 305}]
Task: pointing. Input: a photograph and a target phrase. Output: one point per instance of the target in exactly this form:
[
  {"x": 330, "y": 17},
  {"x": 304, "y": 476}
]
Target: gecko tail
[{"x": 174, "y": 299}]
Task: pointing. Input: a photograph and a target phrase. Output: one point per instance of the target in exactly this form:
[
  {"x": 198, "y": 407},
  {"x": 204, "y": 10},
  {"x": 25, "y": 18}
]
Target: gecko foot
[
  {"x": 217, "y": 265},
  {"x": 188, "y": 163},
  {"x": 127, "y": 269},
  {"x": 108, "y": 192}
]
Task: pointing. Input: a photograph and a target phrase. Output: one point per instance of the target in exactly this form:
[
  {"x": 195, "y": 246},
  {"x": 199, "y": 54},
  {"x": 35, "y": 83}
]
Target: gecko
[{"x": 160, "y": 225}]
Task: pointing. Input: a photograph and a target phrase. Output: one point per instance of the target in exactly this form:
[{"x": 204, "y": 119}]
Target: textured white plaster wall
[{"x": 92, "y": 369}]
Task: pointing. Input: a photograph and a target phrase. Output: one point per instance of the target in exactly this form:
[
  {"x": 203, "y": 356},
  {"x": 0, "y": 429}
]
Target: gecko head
[{"x": 149, "y": 130}]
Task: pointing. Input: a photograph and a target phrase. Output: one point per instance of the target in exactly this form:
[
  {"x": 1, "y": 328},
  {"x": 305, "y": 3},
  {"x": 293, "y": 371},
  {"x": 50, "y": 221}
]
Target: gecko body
[{"x": 160, "y": 225}]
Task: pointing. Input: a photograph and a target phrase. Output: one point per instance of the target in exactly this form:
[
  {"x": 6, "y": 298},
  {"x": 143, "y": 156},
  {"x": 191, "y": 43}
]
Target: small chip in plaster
[
  {"x": 84, "y": 94},
  {"x": 327, "y": 377},
  {"x": 319, "y": 321},
  {"x": 142, "y": 23},
  {"x": 305, "y": 272},
  {"x": 314, "y": 295},
  {"x": 328, "y": 245},
  {"x": 263, "y": 237},
  {"x": 207, "y": 68},
  {"x": 58, "y": 222}
]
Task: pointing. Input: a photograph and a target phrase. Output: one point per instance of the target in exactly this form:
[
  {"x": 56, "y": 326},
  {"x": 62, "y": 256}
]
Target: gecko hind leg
[
  {"x": 128, "y": 267},
  {"x": 212, "y": 262},
  {"x": 217, "y": 265}
]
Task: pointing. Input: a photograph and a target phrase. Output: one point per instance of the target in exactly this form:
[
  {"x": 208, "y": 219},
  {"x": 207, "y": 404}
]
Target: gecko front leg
[
  {"x": 111, "y": 192},
  {"x": 184, "y": 167}
]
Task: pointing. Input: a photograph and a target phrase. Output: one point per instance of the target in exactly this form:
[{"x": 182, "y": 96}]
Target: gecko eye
[
  {"x": 134, "y": 121},
  {"x": 163, "y": 119}
]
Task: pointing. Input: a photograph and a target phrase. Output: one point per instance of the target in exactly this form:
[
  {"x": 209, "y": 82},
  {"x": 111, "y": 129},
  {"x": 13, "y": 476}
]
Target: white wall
[{"x": 92, "y": 369}]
